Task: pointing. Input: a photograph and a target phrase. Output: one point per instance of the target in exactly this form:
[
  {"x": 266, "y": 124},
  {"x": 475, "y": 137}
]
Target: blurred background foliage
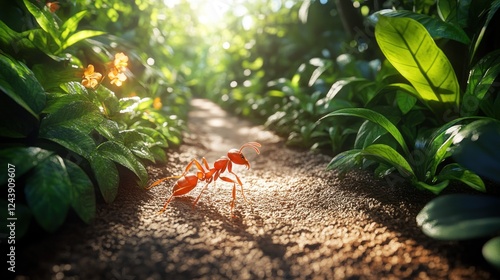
[{"x": 352, "y": 78}]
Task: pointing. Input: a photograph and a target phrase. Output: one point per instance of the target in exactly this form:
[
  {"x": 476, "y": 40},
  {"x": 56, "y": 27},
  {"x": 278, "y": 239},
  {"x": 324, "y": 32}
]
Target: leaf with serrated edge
[
  {"x": 48, "y": 193},
  {"x": 106, "y": 174},
  {"x": 82, "y": 192},
  {"x": 122, "y": 155}
]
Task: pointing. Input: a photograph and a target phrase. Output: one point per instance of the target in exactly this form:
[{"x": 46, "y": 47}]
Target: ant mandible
[{"x": 187, "y": 182}]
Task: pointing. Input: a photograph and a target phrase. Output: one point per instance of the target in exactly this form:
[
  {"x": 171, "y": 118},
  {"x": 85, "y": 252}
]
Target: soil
[{"x": 300, "y": 222}]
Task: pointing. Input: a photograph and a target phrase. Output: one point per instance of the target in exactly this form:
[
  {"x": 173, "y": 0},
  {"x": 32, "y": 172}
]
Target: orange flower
[
  {"x": 91, "y": 79},
  {"x": 116, "y": 77},
  {"x": 53, "y": 6},
  {"x": 120, "y": 62},
  {"x": 157, "y": 103}
]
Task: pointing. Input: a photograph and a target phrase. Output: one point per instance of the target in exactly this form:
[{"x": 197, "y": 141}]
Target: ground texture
[{"x": 300, "y": 222}]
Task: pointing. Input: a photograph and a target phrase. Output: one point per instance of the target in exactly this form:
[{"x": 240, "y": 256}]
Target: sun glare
[{"x": 210, "y": 12}]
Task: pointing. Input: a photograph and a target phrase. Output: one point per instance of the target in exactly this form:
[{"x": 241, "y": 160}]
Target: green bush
[{"x": 73, "y": 109}]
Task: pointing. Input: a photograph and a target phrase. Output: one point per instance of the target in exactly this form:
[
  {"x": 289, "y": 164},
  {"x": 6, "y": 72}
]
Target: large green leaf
[
  {"x": 138, "y": 144},
  {"x": 11, "y": 41},
  {"x": 389, "y": 156},
  {"x": 48, "y": 192},
  {"x": 45, "y": 19},
  {"x": 374, "y": 117},
  {"x": 412, "y": 51},
  {"x": 79, "y": 115},
  {"x": 122, "y": 155},
  {"x": 20, "y": 84},
  {"x": 82, "y": 192},
  {"x": 436, "y": 27},
  {"x": 71, "y": 138},
  {"x": 476, "y": 148},
  {"x": 23, "y": 158},
  {"x": 107, "y": 177},
  {"x": 491, "y": 251},
  {"x": 71, "y": 24},
  {"x": 79, "y": 36},
  {"x": 460, "y": 216}
]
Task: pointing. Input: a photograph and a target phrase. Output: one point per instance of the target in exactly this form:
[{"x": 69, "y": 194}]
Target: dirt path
[{"x": 302, "y": 222}]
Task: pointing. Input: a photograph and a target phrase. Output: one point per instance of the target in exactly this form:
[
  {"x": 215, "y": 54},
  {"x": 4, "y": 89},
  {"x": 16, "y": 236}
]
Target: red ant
[{"x": 187, "y": 182}]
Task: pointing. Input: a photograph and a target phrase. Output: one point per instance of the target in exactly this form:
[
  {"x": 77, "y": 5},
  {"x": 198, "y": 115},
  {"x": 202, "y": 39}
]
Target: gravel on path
[{"x": 301, "y": 222}]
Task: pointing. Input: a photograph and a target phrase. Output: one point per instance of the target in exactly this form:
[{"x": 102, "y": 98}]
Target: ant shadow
[{"x": 234, "y": 225}]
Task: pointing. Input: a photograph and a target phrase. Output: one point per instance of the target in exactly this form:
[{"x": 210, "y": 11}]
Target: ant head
[{"x": 237, "y": 157}]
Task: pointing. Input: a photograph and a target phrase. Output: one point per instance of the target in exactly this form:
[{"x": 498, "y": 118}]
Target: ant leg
[
  {"x": 230, "y": 170},
  {"x": 226, "y": 179},
  {"x": 156, "y": 183},
  {"x": 166, "y": 204},
  {"x": 204, "y": 160},
  {"x": 186, "y": 170},
  {"x": 198, "y": 198}
]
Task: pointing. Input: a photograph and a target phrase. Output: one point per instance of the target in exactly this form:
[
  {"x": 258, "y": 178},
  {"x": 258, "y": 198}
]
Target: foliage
[
  {"x": 70, "y": 134},
  {"x": 460, "y": 216}
]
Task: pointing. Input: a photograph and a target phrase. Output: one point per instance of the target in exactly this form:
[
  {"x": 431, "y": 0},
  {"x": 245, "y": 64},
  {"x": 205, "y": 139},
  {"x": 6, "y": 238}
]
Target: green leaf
[
  {"x": 153, "y": 135},
  {"x": 437, "y": 149},
  {"x": 405, "y": 101},
  {"x": 23, "y": 158},
  {"x": 345, "y": 161},
  {"x": 82, "y": 192},
  {"x": 71, "y": 24},
  {"x": 322, "y": 65},
  {"x": 413, "y": 52},
  {"x": 110, "y": 130},
  {"x": 454, "y": 11},
  {"x": 454, "y": 171},
  {"x": 476, "y": 148},
  {"x": 48, "y": 193},
  {"x": 107, "y": 177},
  {"x": 159, "y": 154},
  {"x": 11, "y": 41},
  {"x": 460, "y": 217},
  {"x": 71, "y": 138},
  {"x": 134, "y": 141},
  {"x": 435, "y": 189},
  {"x": 79, "y": 36},
  {"x": 75, "y": 88},
  {"x": 79, "y": 115},
  {"x": 491, "y": 252},
  {"x": 481, "y": 78},
  {"x": 490, "y": 9},
  {"x": 389, "y": 156},
  {"x": 436, "y": 27},
  {"x": 122, "y": 155},
  {"x": 45, "y": 19},
  {"x": 20, "y": 84},
  {"x": 368, "y": 133},
  {"x": 374, "y": 117},
  {"x": 340, "y": 84}
]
